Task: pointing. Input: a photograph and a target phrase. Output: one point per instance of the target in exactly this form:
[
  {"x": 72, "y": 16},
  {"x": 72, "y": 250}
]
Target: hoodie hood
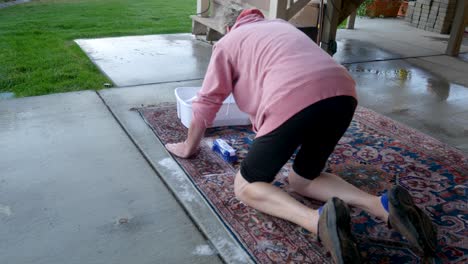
[{"x": 248, "y": 16}]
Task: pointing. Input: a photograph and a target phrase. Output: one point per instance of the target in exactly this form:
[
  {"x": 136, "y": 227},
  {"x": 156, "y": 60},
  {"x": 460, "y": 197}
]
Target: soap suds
[
  {"x": 236, "y": 252},
  {"x": 5, "y": 210},
  {"x": 186, "y": 193},
  {"x": 203, "y": 250}
]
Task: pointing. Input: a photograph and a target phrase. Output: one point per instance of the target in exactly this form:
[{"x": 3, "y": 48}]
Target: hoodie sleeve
[{"x": 217, "y": 86}]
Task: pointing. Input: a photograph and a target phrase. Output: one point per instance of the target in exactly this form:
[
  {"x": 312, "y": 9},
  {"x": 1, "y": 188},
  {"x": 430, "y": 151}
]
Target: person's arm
[
  {"x": 188, "y": 147},
  {"x": 216, "y": 87}
]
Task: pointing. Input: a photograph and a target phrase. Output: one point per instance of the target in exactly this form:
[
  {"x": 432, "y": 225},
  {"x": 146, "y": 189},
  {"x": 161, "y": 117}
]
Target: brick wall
[{"x": 432, "y": 15}]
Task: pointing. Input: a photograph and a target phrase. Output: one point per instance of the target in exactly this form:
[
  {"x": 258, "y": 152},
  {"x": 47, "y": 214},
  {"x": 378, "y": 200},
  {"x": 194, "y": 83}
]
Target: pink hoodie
[{"x": 273, "y": 71}]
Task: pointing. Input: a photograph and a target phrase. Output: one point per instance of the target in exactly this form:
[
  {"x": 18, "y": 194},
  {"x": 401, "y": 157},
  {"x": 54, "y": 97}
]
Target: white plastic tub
[{"x": 228, "y": 115}]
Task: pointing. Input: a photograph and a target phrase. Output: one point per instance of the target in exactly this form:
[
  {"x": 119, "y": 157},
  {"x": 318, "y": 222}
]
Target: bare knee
[
  {"x": 248, "y": 192},
  {"x": 240, "y": 185},
  {"x": 298, "y": 183},
  {"x": 294, "y": 185}
]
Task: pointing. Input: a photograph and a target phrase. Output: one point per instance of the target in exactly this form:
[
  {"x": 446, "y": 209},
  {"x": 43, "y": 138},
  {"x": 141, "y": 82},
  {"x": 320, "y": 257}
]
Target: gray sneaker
[
  {"x": 410, "y": 221},
  {"x": 334, "y": 232}
]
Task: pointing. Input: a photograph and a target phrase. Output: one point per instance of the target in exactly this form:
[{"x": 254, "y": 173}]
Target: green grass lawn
[
  {"x": 343, "y": 24},
  {"x": 37, "y": 52}
]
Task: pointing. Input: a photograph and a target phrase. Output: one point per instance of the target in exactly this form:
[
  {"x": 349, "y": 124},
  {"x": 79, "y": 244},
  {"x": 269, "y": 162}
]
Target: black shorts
[{"x": 317, "y": 129}]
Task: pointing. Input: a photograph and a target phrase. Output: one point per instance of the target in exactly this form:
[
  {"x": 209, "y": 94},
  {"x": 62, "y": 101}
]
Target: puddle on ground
[
  {"x": 352, "y": 51},
  {"x": 398, "y": 78},
  {"x": 6, "y": 95}
]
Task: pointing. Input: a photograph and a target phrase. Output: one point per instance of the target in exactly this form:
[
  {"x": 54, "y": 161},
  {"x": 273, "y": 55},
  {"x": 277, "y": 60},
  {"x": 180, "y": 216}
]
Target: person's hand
[
  {"x": 190, "y": 145},
  {"x": 181, "y": 150}
]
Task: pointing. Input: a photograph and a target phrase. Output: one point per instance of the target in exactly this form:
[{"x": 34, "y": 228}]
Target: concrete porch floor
[
  {"x": 389, "y": 39},
  {"x": 75, "y": 189},
  {"x": 84, "y": 179}
]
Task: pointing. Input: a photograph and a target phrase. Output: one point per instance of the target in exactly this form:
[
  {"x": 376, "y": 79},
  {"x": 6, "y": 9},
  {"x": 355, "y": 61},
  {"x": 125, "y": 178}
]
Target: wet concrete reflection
[
  {"x": 410, "y": 81},
  {"x": 438, "y": 87},
  {"x": 6, "y": 95},
  {"x": 415, "y": 97},
  {"x": 463, "y": 56},
  {"x": 149, "y": 59},
  {"x": 351, "y": 50}
]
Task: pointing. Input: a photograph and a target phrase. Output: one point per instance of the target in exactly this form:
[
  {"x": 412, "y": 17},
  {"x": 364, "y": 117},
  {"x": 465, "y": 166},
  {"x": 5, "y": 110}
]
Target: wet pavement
[
  {"x": 463, "y": 57},
  {"x": 6, "y": 95},
  {"x": 397, "y": 37},
  {"x": 75, "y": 189},
  {"x": 353, "y": 51},
  {"x": 418, "y": 98},
  {"x": 149, "y": 59},
  {"x": 12, "y": 3},
  {"x": 450, "y": 68}
]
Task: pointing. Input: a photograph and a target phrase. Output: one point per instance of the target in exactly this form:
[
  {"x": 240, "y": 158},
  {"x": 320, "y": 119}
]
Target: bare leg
[
  {"x": 273, "y": 201},
  {"x": 329, "y": 185}
]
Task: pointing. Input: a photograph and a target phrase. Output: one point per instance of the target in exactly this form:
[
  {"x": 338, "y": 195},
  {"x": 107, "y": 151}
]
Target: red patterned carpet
[{"x": 375, "y": 153}]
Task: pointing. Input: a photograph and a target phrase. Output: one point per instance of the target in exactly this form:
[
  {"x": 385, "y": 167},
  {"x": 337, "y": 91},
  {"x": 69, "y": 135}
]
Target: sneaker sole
[
  {"x": 338, "y": 227},
  {"x": 411, "y": 221}
]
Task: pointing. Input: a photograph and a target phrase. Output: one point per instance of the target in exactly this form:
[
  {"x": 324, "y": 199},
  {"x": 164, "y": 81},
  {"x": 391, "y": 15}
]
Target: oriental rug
[{"x": 375, "y": 153}]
